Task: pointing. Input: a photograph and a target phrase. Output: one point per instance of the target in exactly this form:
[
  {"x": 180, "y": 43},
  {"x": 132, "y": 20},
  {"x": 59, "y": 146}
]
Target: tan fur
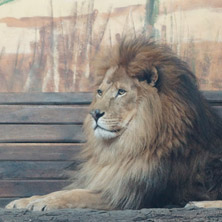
[{"x": 159, "y": 141}]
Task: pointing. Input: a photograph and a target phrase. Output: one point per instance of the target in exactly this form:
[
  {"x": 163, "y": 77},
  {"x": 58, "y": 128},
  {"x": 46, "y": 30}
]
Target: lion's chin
[{"x": 104, "y": 134}]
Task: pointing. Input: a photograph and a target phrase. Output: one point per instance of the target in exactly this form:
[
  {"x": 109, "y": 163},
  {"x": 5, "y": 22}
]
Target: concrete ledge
[{"x": 151, "y": 215}]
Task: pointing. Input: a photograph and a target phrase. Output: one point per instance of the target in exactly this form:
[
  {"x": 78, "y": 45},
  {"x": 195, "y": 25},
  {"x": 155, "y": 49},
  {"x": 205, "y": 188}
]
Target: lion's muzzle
[{"x": 96, "y": 114}]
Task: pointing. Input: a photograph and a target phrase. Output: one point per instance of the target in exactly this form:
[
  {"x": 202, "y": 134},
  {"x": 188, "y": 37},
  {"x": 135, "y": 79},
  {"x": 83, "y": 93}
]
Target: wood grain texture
[
  {"x": 36, "y": 151},
  {"x": 213, "y": 96},
  {"x": 28, "y": 170},
  {"x": 41, "y": 133},
  {"x": 70, "y": 98},
  {"x": 23, "y": 188},
  {"x": 42, "y": 114}
]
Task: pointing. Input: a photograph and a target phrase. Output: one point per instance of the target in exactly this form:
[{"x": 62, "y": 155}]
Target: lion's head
[
  {"x": 117, "y": 100},
  {"x": 134, "y": 80},
  {"x": 114, "y": 105}
]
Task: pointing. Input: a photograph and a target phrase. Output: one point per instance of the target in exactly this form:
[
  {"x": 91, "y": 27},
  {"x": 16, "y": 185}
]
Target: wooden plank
[
  {"x": 24, "y": 170},
  {"x": 213, "y": 96},
  {"x": 41, "y": 133},
  {"x": 42, "y": 114},
  {"x": 35, "y": 151},
  {"x": 24, "y": 188},
  {"x": 71, "y": 98}
]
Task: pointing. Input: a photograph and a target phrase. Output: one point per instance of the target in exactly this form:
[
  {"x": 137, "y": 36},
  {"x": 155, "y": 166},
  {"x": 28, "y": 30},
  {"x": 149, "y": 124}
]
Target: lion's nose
[{"x": 96, "y": 114}]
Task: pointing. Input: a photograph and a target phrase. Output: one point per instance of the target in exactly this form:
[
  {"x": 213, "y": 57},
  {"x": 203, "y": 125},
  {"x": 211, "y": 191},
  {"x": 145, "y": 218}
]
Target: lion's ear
[{"x": 149, "y": 75}]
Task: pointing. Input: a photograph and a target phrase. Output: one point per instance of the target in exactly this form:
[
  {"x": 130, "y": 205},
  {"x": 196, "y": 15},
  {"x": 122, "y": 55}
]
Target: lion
[{"x": 152, "y": 138}]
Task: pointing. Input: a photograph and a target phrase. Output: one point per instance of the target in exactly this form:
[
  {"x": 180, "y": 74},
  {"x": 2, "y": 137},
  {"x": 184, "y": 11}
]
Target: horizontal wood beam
[
  {"x": 39, "y": 151},
  {"x": 42, "y": 114},
  {"x": 48, "y": 114},
  {"x": 213, "y": 96},
  {"x": 21, "y": 133},
  {"x": 29, "y": 170},
  {"x": 26, "y": 188},
  {"x": 71, "y": 98}
]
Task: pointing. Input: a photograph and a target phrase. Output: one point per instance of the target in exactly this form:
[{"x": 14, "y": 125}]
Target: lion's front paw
[
  {"x": 21, "y": 203},
  {"x": 43, "y": 204},
  {"x": 35, "y": 204}
]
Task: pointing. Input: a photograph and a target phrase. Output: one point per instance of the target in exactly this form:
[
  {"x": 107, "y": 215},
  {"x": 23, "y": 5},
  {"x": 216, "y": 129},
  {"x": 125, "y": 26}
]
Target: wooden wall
[
  {"x": 40, "y": 136},
  {"x": 48, "y": 46}
]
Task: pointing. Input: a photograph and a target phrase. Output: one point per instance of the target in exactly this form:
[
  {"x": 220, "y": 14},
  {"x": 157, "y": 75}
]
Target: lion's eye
[
  {"x": 99, "y": 92},
  {"x": 121, "y": 92}
]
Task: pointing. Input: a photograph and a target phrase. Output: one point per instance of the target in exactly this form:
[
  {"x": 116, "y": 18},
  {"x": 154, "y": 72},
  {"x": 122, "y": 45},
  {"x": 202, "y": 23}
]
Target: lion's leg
[
  {"x": 77, "y": 198},
  {"x": 205, "y": 204}
]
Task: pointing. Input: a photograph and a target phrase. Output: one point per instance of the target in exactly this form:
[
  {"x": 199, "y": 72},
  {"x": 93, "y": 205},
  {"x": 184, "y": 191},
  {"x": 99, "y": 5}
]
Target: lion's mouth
[{"x": 112, "y": 131}]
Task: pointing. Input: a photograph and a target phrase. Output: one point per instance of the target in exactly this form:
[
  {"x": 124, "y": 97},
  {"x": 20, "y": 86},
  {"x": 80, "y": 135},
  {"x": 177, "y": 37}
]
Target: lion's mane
[{"x": 172, "y": 152}]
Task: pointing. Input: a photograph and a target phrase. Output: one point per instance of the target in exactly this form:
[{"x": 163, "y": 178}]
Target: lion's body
[
  {"x": 155, "y": 143},
  {"x": 173, "y": 138}
]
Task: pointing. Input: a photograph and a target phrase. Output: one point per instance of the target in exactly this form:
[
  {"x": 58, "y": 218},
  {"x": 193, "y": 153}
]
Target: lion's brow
[{"x": 111, "y": 71}]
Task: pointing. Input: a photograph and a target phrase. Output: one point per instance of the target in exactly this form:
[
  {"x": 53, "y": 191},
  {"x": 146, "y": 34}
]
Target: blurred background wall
[{"x": 48, "y": 45}]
